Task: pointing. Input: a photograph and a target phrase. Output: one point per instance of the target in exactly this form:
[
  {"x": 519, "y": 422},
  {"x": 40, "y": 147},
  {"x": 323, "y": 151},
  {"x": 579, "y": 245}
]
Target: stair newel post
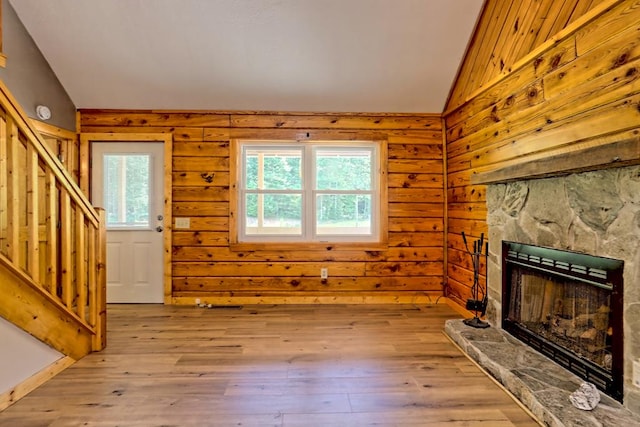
[{"x": 100, "y": 284}]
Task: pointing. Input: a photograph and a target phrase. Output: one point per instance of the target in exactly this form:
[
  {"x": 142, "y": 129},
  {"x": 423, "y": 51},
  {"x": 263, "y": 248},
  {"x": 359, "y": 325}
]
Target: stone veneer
[
  {"x": 543, "y": 386},
  {"x": 592, "y": 212}
]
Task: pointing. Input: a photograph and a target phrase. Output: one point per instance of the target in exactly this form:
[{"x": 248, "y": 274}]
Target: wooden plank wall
[
  {"x": 575, "y": 91},
  {"x": 205, "y": 267},
  {"x": 506, "y": 32}
]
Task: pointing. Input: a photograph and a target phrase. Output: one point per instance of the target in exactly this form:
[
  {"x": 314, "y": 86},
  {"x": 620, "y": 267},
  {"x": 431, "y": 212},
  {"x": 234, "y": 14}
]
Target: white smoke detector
[{"x": 43, "y": 112}]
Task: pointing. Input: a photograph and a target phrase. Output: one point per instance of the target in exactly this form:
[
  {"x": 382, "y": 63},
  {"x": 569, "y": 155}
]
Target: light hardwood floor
[{"x": 325, "y": 365}]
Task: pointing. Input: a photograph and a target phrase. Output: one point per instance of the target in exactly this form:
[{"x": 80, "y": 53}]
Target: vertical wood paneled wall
[
  {"x": 205, "y": 267},
  {"x": 578, "y": 90}
]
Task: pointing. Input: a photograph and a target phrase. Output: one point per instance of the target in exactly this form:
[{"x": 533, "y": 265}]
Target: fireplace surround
[{"x": 596, "y": 212}]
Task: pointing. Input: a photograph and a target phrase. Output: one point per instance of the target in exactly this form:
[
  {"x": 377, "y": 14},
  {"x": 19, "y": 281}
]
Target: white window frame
[{"x": 309, "y": 192}]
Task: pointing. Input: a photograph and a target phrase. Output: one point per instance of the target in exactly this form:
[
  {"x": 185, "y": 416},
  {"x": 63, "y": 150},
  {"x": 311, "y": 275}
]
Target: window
[{"x": 309, "y": 192}]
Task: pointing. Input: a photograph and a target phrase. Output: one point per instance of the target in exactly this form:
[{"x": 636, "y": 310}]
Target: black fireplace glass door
[{"x": 571, "y": 314}]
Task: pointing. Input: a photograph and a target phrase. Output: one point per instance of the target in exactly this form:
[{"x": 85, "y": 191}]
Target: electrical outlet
[
  {"x": 324, "y": 273},
  {"x": 636, "y": 373}
]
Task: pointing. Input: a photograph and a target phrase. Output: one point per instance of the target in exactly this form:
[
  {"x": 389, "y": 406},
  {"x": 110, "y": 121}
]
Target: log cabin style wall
[
  {"x": 506, "y": 32},
  {"x": 567, "y": 98},
  {"x": 204, "y": 265}
]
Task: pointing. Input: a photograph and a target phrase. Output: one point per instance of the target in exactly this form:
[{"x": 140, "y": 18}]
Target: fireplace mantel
[{"x": 623, "y": 152}]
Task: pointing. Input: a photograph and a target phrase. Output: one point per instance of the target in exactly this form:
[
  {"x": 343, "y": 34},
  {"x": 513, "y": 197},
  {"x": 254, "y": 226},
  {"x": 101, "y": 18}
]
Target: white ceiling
[{"x": 279, "y": 55}]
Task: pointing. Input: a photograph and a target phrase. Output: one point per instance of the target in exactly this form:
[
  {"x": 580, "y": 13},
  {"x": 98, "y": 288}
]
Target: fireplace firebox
[{"x": 568, "y": 306}]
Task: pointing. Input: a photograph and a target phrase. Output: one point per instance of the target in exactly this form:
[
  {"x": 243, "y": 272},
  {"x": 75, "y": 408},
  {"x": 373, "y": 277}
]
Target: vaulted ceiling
[{"x": 279, "y": 55}]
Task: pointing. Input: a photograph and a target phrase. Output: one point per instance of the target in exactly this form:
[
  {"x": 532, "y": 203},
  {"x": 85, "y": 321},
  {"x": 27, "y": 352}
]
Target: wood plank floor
[{"x": 325, "y": 365}]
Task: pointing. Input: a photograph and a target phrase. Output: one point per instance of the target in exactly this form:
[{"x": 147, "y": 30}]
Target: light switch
[{"x": 183, "y": 223}]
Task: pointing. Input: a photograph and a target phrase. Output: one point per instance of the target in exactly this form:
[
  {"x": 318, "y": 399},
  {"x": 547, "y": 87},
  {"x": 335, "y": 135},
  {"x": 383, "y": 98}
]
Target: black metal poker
[{"x": 476, "y": 304}]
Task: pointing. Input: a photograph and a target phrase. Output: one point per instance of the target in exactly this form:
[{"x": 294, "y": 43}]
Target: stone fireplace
[{"x": 595, "y": 213}]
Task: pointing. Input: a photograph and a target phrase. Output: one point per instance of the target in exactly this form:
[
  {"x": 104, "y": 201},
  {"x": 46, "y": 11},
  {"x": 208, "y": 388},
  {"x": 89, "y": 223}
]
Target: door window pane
[{"x": 127, "y": 189}]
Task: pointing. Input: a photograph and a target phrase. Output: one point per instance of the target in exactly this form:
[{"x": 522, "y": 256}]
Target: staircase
[{"x": 52, "y": 242}]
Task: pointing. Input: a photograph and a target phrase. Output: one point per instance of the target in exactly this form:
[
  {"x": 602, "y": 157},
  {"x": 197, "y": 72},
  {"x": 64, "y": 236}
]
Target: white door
[{"x": 127, "y": 181}]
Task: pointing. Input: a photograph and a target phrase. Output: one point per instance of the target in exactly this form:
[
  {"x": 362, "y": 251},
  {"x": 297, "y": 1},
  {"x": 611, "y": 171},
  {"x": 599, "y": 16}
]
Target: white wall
[
  {"x": 21, "y": 355},
  {"x": 29, "y": 76}
]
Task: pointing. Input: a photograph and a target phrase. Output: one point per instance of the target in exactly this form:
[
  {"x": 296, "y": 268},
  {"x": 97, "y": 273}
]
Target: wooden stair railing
[
  {"x": 51, "y": 239},
  {"x": 64, "y": 144}
]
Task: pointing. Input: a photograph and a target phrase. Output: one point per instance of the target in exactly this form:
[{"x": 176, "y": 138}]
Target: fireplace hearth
[{"x": 568, "y": 306}]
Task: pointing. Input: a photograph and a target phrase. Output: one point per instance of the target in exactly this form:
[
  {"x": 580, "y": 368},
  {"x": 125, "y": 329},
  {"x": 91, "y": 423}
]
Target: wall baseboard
[{"x": 217, "y": 300}]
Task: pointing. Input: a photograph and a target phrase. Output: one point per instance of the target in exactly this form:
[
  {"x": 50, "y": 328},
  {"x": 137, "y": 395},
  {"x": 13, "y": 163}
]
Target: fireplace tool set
[{"x": 476, "y": 304}]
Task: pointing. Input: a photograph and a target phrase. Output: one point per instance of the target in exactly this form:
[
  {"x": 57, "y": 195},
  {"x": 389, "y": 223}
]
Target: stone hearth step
[{"x": 540, "y": 384}]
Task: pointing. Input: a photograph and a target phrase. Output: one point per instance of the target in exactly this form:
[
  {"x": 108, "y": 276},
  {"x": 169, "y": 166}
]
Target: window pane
[
  {"x": 341, "y": 214},
  {"x": 273, "y": 169},
  {"x": 251, "y": 172},
  {"x": 273, "y": 214},
  {"x": 127, "y": 189},
  {"x": 343, "y": 169}
]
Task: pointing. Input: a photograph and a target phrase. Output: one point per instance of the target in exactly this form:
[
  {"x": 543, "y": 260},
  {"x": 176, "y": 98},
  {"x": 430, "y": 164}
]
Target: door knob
[{"x": 159, "y": 229}]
